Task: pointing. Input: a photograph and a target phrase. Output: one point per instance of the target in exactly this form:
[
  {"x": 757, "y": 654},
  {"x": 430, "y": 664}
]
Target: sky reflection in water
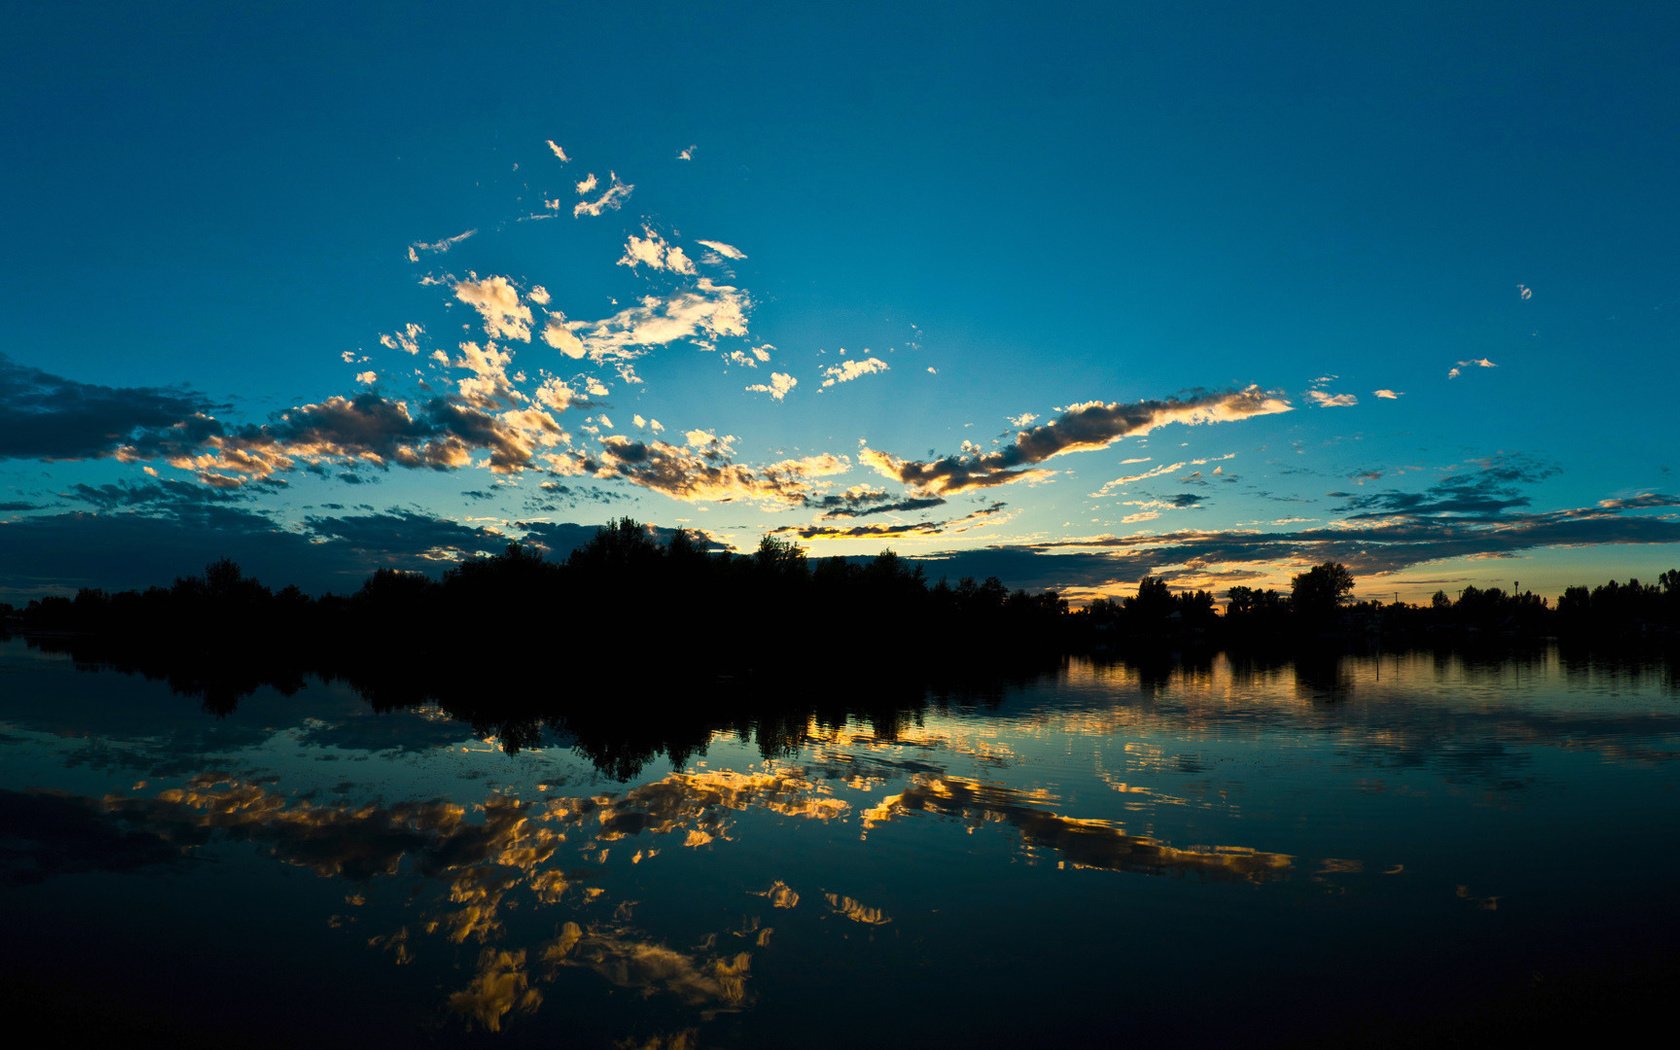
[{"x": 1095, "y": 853}]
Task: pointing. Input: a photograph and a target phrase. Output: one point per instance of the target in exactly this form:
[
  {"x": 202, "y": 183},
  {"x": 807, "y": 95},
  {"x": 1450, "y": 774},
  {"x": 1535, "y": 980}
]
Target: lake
[{"x": 1354, "y": 849}]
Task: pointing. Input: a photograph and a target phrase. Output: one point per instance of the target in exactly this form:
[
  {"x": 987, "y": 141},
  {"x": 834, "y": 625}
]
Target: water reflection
[
  {"x": 671, "y": 883},
  {"x": 1081, "y": 843}
]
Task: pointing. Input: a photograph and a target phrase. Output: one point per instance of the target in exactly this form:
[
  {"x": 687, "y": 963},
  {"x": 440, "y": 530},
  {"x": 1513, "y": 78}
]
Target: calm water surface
[{"x": 1206, "y": 853}]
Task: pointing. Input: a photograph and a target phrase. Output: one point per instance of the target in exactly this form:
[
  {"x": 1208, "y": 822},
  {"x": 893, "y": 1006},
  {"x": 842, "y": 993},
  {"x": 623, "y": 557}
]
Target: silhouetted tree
[{"x": 1319, "y": 592}]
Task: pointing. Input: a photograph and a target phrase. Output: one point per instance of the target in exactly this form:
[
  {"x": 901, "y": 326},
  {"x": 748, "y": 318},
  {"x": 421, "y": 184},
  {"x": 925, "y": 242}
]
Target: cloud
[
  {"x": 497, "y": 301},
  {"x": 613, "y": 199},
  {"x": 436, "y": 247},
  {"x": 876, "y": 532},
  {"x": 652, "y": 251},
  {"x": 1155, "y": 472},
  {"x": 1640, "y": 502},
  {"x": 862, "y": 500},
  {"x": 178, "y": 532},
  {"x": 1484, "y": 492},
  {"x": 375, "y": 430},
  {"x": 407, "y": 340},
  {"x": 703, "y": 471},
  {"x": 558, "y": 152},
  {"x": 846, "y": 371},
  {"x": 50, "y": 417},
  {"x": 585, "y": 186},
  {"x": 708, "y": 311},
  {"x": 1324, "y": 399},
  {"x": 1088, "y": 426},
  {"x": 778, "y": 387},
  {"x": 1078, "y": 842},
  {"x": 162, "y": 492},
  {"x": 1388, "y": 395},
  {"x": 728, "y": 251},
  {"x": 1479, "y": 362},
  {"x": 686, "y": 154}
]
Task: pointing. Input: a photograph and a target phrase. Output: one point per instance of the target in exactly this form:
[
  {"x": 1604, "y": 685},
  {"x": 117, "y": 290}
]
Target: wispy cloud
[
  {"x": 877, "y": 532},
  {"x": 686, "y": 154},
  {"x": 728, "y": 251},
  {"x": 709, "y": 311},
  {"x": 613, "y": 199},
  {"x": 407, "y": 340},
  {"x": 558, "y": 152},
  {"x": 1388, "y": 395},
  {"x": 436, "y": 247},
  {"x": 1325, "y": 399}
]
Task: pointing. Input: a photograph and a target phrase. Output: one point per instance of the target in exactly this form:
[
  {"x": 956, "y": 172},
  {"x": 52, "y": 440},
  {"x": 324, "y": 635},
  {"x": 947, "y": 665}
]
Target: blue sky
[{"x": 1112, "y": 218}]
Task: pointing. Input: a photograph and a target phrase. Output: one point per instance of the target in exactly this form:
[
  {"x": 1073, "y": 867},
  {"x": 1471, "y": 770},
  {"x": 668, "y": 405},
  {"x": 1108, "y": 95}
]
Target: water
[{"x": 1359, "y": 848}]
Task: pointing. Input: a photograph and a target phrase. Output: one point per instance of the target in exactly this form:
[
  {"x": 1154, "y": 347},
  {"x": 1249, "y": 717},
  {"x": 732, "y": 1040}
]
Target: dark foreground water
[{"x": 1402, "y": 848}]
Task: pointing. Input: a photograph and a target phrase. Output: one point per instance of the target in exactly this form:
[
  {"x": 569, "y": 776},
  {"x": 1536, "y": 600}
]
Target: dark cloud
[
  {"x": 407, "y": 535},
  {"x": 44, "y": 416},
  {"x": 859, "y": 505},
  {"x": 921, "y": 528},
  {"x": 152, "y": 493},
  {"x": 1186, "y": 499},
  {"x": 142, "y": 547},
  {"x": 1640, "y": 502},
  {"x": 1090, "y": 426},
  {"x": 1482, "y": 493},
  {"x": 48, "y": 835}
]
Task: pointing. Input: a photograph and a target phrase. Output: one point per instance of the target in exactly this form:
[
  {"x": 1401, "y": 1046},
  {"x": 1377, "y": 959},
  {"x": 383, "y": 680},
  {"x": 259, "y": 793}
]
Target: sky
[{"x": 1065, "y": 294}]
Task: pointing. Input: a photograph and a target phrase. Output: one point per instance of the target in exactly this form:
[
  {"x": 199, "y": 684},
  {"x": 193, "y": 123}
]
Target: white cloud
[
  {"x": 408, "y": 339},
  {"x": 1325, "y": 399},
  {"x": 728, "y": 251},
  {"x": 1388, "y": 395},
  {"x": 778, "y": 387},
  {"x": 653, "y": 252},
  {"x": 369, "y": 377},
  {"x": 436, "y": 247},
  {"x": 1023, "y": 420},
  {"x": 585, "y": 185},
  {"x": 846, "y": 371},
  {"x": 686, "y": 154},
  {"x": 558, "y": 152},
  {"x": 1479, "y": 362},
  {"x": 497, "y": 300},
  {"x": 611, "y": 200},
  {"x": 709, "y": 311},
  {"x": 562, "y": 335},
  {"x": 555, "y": 393}
]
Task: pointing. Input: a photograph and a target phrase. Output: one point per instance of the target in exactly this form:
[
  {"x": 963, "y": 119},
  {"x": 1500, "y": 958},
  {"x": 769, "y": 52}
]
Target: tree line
[{"x": 675, "y": 614}]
